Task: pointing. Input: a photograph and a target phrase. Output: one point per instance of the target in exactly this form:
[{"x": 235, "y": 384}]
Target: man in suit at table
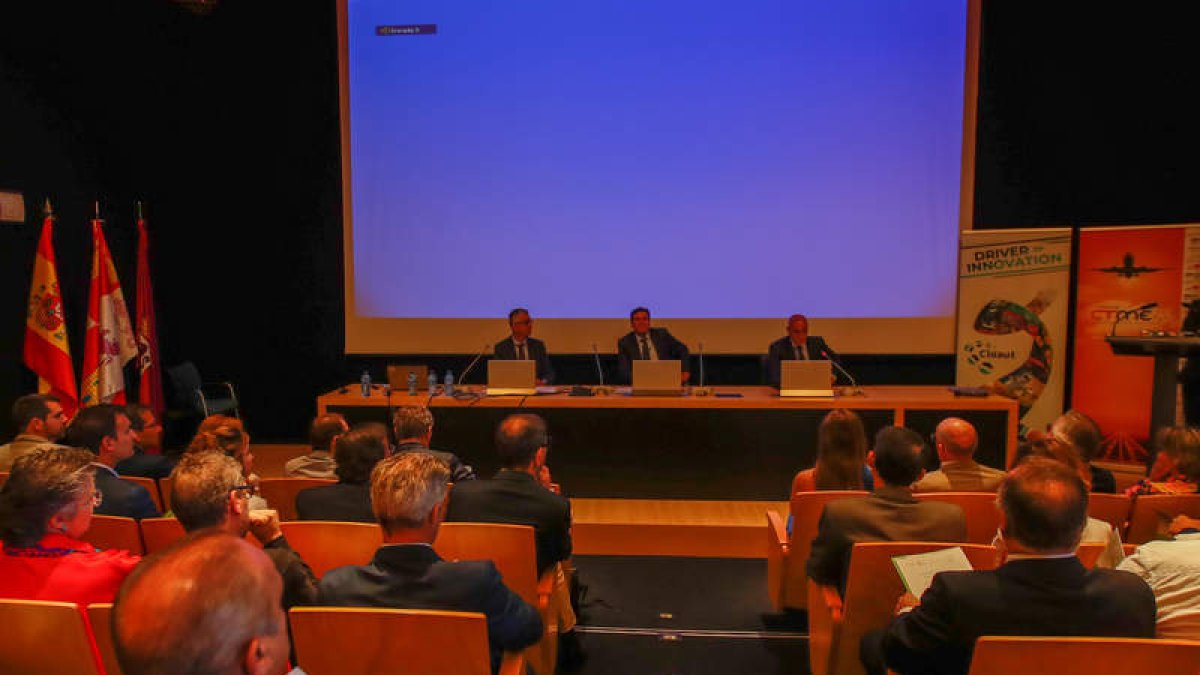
[
  {"x": 644, "y": 343},
  {"x": 797, "y": 345},
  {"x": 521, "y": 347},
  {"x": 1040, "y": 589}
]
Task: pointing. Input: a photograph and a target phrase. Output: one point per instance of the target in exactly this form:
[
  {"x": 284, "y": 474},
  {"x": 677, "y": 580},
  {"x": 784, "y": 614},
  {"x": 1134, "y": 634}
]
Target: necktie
[
  {"x": 521, "y": 352},
  {"x": 796, "y": 353},
  {"x": 645, "y": 348}
]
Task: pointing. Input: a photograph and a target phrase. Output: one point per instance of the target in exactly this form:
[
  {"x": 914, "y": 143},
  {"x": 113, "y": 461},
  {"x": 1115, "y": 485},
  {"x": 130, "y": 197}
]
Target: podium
[{"x": 1166, "y": 352}]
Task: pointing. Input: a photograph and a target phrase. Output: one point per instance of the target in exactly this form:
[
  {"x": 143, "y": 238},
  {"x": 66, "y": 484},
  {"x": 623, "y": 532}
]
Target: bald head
[
  {"x": 518, "y": 439},
  {"x": 1044, "y": 505},
  {"x": 209, "y": 604},
  {"x": 956, "y": 439}
]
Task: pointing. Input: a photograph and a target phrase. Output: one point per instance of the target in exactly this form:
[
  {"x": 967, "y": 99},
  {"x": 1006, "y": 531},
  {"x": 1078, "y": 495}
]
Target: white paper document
[{"x": 917, "y": 570}]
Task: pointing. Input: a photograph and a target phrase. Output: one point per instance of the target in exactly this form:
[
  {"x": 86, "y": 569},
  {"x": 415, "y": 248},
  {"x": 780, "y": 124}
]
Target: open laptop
[
  {"x": 806, "y": 378},
  {"x": 511, "y": 378},
  {"x": 657, "y": 378},
  {"x": 397, "y": 377}
]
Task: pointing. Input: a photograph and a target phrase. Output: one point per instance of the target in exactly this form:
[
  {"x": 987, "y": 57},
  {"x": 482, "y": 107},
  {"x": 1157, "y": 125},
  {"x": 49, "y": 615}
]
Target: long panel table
[{"x": 745, "y": 443}]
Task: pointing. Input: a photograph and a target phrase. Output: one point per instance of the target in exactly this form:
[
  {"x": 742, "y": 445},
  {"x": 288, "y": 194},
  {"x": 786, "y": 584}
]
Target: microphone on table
[
  {"x": 599, "y": 370},
  {"x": 854, "y": 389},
  {"x": 471, "y": 365},
  {"x": 701, "y": 390}
]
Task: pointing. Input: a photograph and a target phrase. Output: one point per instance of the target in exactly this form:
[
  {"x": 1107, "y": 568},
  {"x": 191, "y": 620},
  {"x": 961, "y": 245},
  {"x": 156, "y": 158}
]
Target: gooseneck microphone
[
  {"x": 855, "y": 390},
  {"x": 599, "y": 370},
  {"x": 700, "y": 354},
  {"x": 471, "y": 365}
]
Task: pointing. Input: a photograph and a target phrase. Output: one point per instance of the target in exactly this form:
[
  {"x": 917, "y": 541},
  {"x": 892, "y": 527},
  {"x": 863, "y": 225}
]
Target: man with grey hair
[
  {"x": 209, "y": 491},
  {"x": 413, "y": 425},
  {"x": 208, "y": 604},
  {"x": 956, "y": 442},
  {"x": 408, "y": 495}
]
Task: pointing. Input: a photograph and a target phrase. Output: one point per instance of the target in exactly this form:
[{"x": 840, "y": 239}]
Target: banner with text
[{"x": 1012, "y": 317}]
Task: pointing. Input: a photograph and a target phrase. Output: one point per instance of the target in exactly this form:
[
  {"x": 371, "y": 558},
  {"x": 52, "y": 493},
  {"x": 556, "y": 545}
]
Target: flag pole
[
  {"x": 139, "y": 205},
  {"x": 48, "y": 210}
]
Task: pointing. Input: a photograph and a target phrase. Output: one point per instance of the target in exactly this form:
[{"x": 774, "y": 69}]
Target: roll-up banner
[
  {"x": 1132, "y": 280},
  {"x": 1012, "y": 317}
]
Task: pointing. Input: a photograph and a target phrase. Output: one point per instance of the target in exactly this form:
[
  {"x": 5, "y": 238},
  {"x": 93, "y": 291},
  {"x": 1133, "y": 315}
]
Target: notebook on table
[
  {"x": 657, "y": 378},
  {"x": 511, "y": 378},
  {"x": 811, "y": 379}
]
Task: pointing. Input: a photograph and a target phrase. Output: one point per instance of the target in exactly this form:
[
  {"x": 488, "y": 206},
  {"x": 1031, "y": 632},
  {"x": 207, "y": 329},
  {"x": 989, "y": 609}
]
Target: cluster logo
[{"x": 982, "y": 355}]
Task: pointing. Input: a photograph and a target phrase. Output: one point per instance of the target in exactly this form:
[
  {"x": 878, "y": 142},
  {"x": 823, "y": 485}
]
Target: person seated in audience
[
  {"x": 319, "y": 463},
  {"x": 1176, "y": 469},
  {"x": 1095, "y": 531},
  {"x": 145, "y": 428},
  {"x": 841, "y": 456},
  {"x": 227, "y": 435},
  {"x": 1041, "y": 588},
  {"x": 408, "y": 495},
  {"x": 209, "y": 490},
  {"x": 1082, "y": 433},
  {"x": 890, "y": 513},
  {"x": 39, "y": 420},
  {"x": 1172, "y": 569},
  {"x": 349, "y": 499},
  {"x": 413, "y": 426},
  {"x": 208, "y": 604},
  {"x": 956, "y": 441},
  {"x": 107, "y": 432},
  {"x": 45, "y": 512}
]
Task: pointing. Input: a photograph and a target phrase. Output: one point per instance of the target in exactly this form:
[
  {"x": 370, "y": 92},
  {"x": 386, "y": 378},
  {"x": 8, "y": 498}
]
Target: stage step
[{"x": 691, "y": 528}]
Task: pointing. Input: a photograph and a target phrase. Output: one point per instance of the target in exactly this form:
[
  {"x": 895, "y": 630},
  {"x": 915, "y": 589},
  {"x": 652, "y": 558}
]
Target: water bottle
[
  {"x": 366, "y": 384},
  {"x": 432, "y": 382},
  {"x": 412, "y": 383},
  {"x": 448, "y": 383}
]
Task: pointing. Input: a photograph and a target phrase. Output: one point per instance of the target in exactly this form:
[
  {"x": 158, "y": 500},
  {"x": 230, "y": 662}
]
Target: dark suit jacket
[
  {"x": 516, "y": 498},
  {"x": 145, "y": 465},
  {"x": 122, "y": 498},
  {"x": 889, "y": 514},
  {"x": 459, "y": 471},
  {"x": 1022, "y": 597},
  {"x": 345, "y": 502},
  {"x": 535, "y": 349},
  {"x": 668, "y": 348},
  {"x": 413, "y": 576},
  {"x": 781, "y": 350},
  {"x": 299, "y": 582}
]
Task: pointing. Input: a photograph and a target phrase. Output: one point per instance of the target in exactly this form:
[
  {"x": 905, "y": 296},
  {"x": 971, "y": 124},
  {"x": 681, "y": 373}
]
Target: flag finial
[
  {"x": 139, "y": 205},
  {"x": 47, "y": 209},
  {"x": 97, "y": 209}
]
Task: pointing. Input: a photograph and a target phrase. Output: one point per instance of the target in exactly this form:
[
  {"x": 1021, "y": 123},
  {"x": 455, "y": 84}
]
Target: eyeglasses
[
  {"x": 246, "y": 490},
  {"x": 97, "y": 498}
]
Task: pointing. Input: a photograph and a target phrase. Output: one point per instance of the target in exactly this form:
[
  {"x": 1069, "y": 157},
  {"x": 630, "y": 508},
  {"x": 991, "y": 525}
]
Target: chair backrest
[
  {"x": 159, "y": 533},
  {"x": 806, "y": 510},
  {"x": 115, "y": 532},
  {"x": 326, "y": 545},
  {"x": 1089, "y": 553},
  {"x": 373, "y": 640},
  {"x": 164, "y": 489},
  {"x": 280, "y": 493},
  {"x": 983, "y": 516},
  {"x": 185, "y": 382},
  {"x": 100, "y": 617},
  {"x": 1151, "y": 514},
  {"x": 1112, "y": 509},
  {"x": 3, "y": 478},
  {"x": 510, "y": 547},
  {"x": 46, "y": 638},
  {"x": 151, "y": 487},
  {"x": 1005, "y": 655}
]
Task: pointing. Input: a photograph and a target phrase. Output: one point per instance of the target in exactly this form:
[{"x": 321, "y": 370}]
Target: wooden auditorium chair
[
  {"x": 983, "y": 516},
  {"x": 280, "y": 493},
  {"x": 326, "y": 545},
  {"x": 159, "y": 533},
  {"x": 48, "y": 638},
  {"x": 100, "y": 618},
  {"x": 837, "y": 625},
  {"x": 513, "y": 550},
  {"x": 1112, "y": 509},
  {"x": 1005, "y": 655},
  {"x": 117, "y": 532},
  {"x": 164, "y": 489},
  {"x": 3, "y": 478},
  {"x": 151, "y": 487},
  {"x": 1151, "y": 514},
  {"x": 1089, "y": 553},
  {"x": 787, "y": 556},
  {"x": 365, "y": 641}
]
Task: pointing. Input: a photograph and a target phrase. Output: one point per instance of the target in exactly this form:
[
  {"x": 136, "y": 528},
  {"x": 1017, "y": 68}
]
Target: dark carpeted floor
[{"x": 685, "y": 616}]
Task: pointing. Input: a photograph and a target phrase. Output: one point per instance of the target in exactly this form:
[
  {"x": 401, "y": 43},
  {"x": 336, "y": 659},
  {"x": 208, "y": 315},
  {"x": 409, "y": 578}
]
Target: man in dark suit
[
  {"x": 106, "y": 431},
  {"x": 1041, "y": 589},
  {"x": 146, "y": 431},
  {"x": 891, "y": 513},
  {"x": 644, "y": 343},
  {"x": 521, "y": 347},
  {"x": 408, "y": 495},
  {"x": 413, "y": 427},
  {"x": 797, "y": 345},
  {"x": 348, "y": 500}
]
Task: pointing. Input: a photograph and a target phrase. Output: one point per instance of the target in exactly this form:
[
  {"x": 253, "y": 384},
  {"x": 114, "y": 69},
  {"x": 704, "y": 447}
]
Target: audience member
[
  {"x": 39, "y": 421},
  {"x": 890, "y": 513},
  {"x": 1176, "y": 469},
  {"x": 1095, "y": 531},
  {"x": 319, "y": 463},
  {"x": 227, "y": 435},
  {"x": 144, "y": 427},
  {"x": 408, "y": 495},
  {"x": 45, "y": 511},
  {"x": 1082, "y": 433},
  {"x": 349, "y": 499},
  {"x": 105, "y": 430},
  {"x": 413, "y": 426},
  {"x": 841, "y": 456},
  {"x": 209, "y": 490},
  {"x": 1172, "y": 569},
  {"x": 956, "y": 441},
  {"x": 1041, "y": 588},
  {"x": 208, "y": 604}
]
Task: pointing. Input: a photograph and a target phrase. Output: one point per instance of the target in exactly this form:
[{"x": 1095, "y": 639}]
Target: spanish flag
[
  {"x": 109, "y": 343},
  {"x": 47, "y": 352}
]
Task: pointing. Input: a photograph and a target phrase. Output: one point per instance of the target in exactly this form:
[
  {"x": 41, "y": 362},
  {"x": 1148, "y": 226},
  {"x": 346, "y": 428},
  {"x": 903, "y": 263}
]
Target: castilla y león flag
[
  {"x": 46, "y": 350},
  {"x": 150, "y": 391},
  {"x": 108, "y": 344}
]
